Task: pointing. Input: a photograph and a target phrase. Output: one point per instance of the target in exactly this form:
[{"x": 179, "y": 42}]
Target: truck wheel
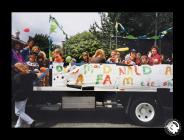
[{"x": 143, "y": 112}]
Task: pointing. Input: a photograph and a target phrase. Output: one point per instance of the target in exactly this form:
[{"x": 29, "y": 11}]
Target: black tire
[{"x": 150, "y": 115}]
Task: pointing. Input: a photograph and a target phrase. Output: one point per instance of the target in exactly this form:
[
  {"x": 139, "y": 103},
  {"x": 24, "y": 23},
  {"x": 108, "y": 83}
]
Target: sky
[{"x": 38, "y": 22}]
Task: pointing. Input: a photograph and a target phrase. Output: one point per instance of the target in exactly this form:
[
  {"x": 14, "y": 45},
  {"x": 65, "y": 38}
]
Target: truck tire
[{"x": 144, "y": 112}]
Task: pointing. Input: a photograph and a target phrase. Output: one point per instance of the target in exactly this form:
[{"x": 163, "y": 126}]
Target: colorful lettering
[
  {"x": 152, "y": 83},
  {"x": 107, "y": 69},
  {"x": 99, "y": 78},
  {"x": 136, "y": 71},
  {"x": 121, "y": 71},
  {"x": 146, "y": 70},
  {"x": 168, "y": 71},
  {"x": 142, "y": 84},
  {"x": 170, "y": 83},
  {"x": 107, "y": 79},
  {"x": 80, "y": 80},
  {"x": 128, "y": 81},
  {"x": 88, "y": 68},
  {"x": 129, "y": 70}
]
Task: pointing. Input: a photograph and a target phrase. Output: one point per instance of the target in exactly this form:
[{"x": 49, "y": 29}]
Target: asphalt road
[{"x": 80, "y": 119}]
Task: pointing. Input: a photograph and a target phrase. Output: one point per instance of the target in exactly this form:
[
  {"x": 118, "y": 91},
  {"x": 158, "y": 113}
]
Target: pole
[
  {"x": 50, "y": 57},
  {"x": 156, "y": 15},
  {"x": 116, "y": 41},
  {"x": 110, "y": 42},
  {"x": 160, "y": 45}
]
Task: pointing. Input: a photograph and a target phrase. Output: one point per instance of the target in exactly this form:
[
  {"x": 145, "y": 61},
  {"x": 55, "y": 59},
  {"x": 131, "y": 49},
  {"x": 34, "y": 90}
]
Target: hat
[{"x": 132, "y": 50}]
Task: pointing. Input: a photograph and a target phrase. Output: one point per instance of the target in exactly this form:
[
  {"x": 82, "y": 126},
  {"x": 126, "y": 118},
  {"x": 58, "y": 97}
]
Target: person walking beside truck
[{"x": 22, "y": 87}]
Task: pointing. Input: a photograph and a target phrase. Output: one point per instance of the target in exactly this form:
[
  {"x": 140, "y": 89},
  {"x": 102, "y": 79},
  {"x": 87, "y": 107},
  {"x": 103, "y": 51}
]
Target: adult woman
[{"x": 16, "y": 55}]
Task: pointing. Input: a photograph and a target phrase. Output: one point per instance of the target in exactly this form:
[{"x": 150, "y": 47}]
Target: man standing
[
  {"x": 27, "y": 50},
  {"x": 155, "y": 57}
]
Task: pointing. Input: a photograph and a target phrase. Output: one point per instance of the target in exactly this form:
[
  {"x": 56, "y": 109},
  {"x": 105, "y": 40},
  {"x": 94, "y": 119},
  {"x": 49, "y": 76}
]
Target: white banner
[{"x": 114, "y": 76}]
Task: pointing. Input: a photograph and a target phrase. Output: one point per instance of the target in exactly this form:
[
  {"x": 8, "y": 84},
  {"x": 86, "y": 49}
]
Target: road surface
[{"x": 80, "y": 119}]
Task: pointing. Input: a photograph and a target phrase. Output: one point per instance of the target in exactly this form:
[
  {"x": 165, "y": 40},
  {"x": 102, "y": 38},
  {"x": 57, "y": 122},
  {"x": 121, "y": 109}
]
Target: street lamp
[{"x": 116, "y": 37}]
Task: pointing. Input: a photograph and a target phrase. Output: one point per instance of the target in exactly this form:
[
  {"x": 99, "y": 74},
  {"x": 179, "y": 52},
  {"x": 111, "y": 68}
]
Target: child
[
  {"x": 58, "y": 56},
  {"x": 32, "y": 64},
  {"x": 144, "y": 60},
  {"x": 22, "y": 86}
]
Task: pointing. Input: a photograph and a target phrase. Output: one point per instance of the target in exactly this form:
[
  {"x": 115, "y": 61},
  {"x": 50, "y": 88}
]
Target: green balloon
[{"x": 59, "y": 68}]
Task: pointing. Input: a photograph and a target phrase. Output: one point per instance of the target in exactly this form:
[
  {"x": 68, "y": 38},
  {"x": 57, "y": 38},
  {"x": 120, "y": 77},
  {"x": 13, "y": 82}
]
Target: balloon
[
  {"x": 68, "y": 59},
  {"x": 26, "y": 30}
]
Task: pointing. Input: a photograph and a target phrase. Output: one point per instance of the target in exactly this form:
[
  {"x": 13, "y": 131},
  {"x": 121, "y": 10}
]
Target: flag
[
  {"x": 116, "y": 27},
  {"x": 54, "y": 24},
  {"x": 123, "y": 29},
  {"x": 50, "y": 52},
  {"x": 143, "y": 37},
  {"x": 50, "y": 55},
  {"x": 53, "y": 27},
  {"x": 155, "y": 37},
  {"x": 131, "y": 37}
]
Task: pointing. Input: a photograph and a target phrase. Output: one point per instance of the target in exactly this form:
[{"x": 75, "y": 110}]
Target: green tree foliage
[
  {"x": 81, "y": 42},
  {"x": 143, "y": 23},
  {"x": 104, "y": 33},
  {"x": 135, "y": 24},
  {"x": 42, "y": 41}
]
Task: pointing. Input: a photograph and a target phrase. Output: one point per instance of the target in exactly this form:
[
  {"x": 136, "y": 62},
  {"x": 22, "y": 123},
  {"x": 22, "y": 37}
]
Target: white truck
[{"x": 145, "y": 92}]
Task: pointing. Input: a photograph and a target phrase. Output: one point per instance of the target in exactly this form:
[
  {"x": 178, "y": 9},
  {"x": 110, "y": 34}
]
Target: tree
[
  {"x": 143, "y": 23},
  {"x": 135, "y": 24},
  {"x": 43, "y": 42},
  {"x": 104, "y": 33},
  {"x": 80, "y": 43}
]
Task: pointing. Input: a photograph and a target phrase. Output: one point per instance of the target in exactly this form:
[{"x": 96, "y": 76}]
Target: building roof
[{"x": 16, "y": 39}]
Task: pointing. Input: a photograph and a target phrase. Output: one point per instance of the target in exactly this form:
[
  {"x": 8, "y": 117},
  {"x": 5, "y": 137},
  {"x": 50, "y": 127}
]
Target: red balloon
[{"x": 26, "y": 30}]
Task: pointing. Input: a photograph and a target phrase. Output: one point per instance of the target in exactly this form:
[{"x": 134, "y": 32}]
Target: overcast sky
[{"x": 38, "y": 22}]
